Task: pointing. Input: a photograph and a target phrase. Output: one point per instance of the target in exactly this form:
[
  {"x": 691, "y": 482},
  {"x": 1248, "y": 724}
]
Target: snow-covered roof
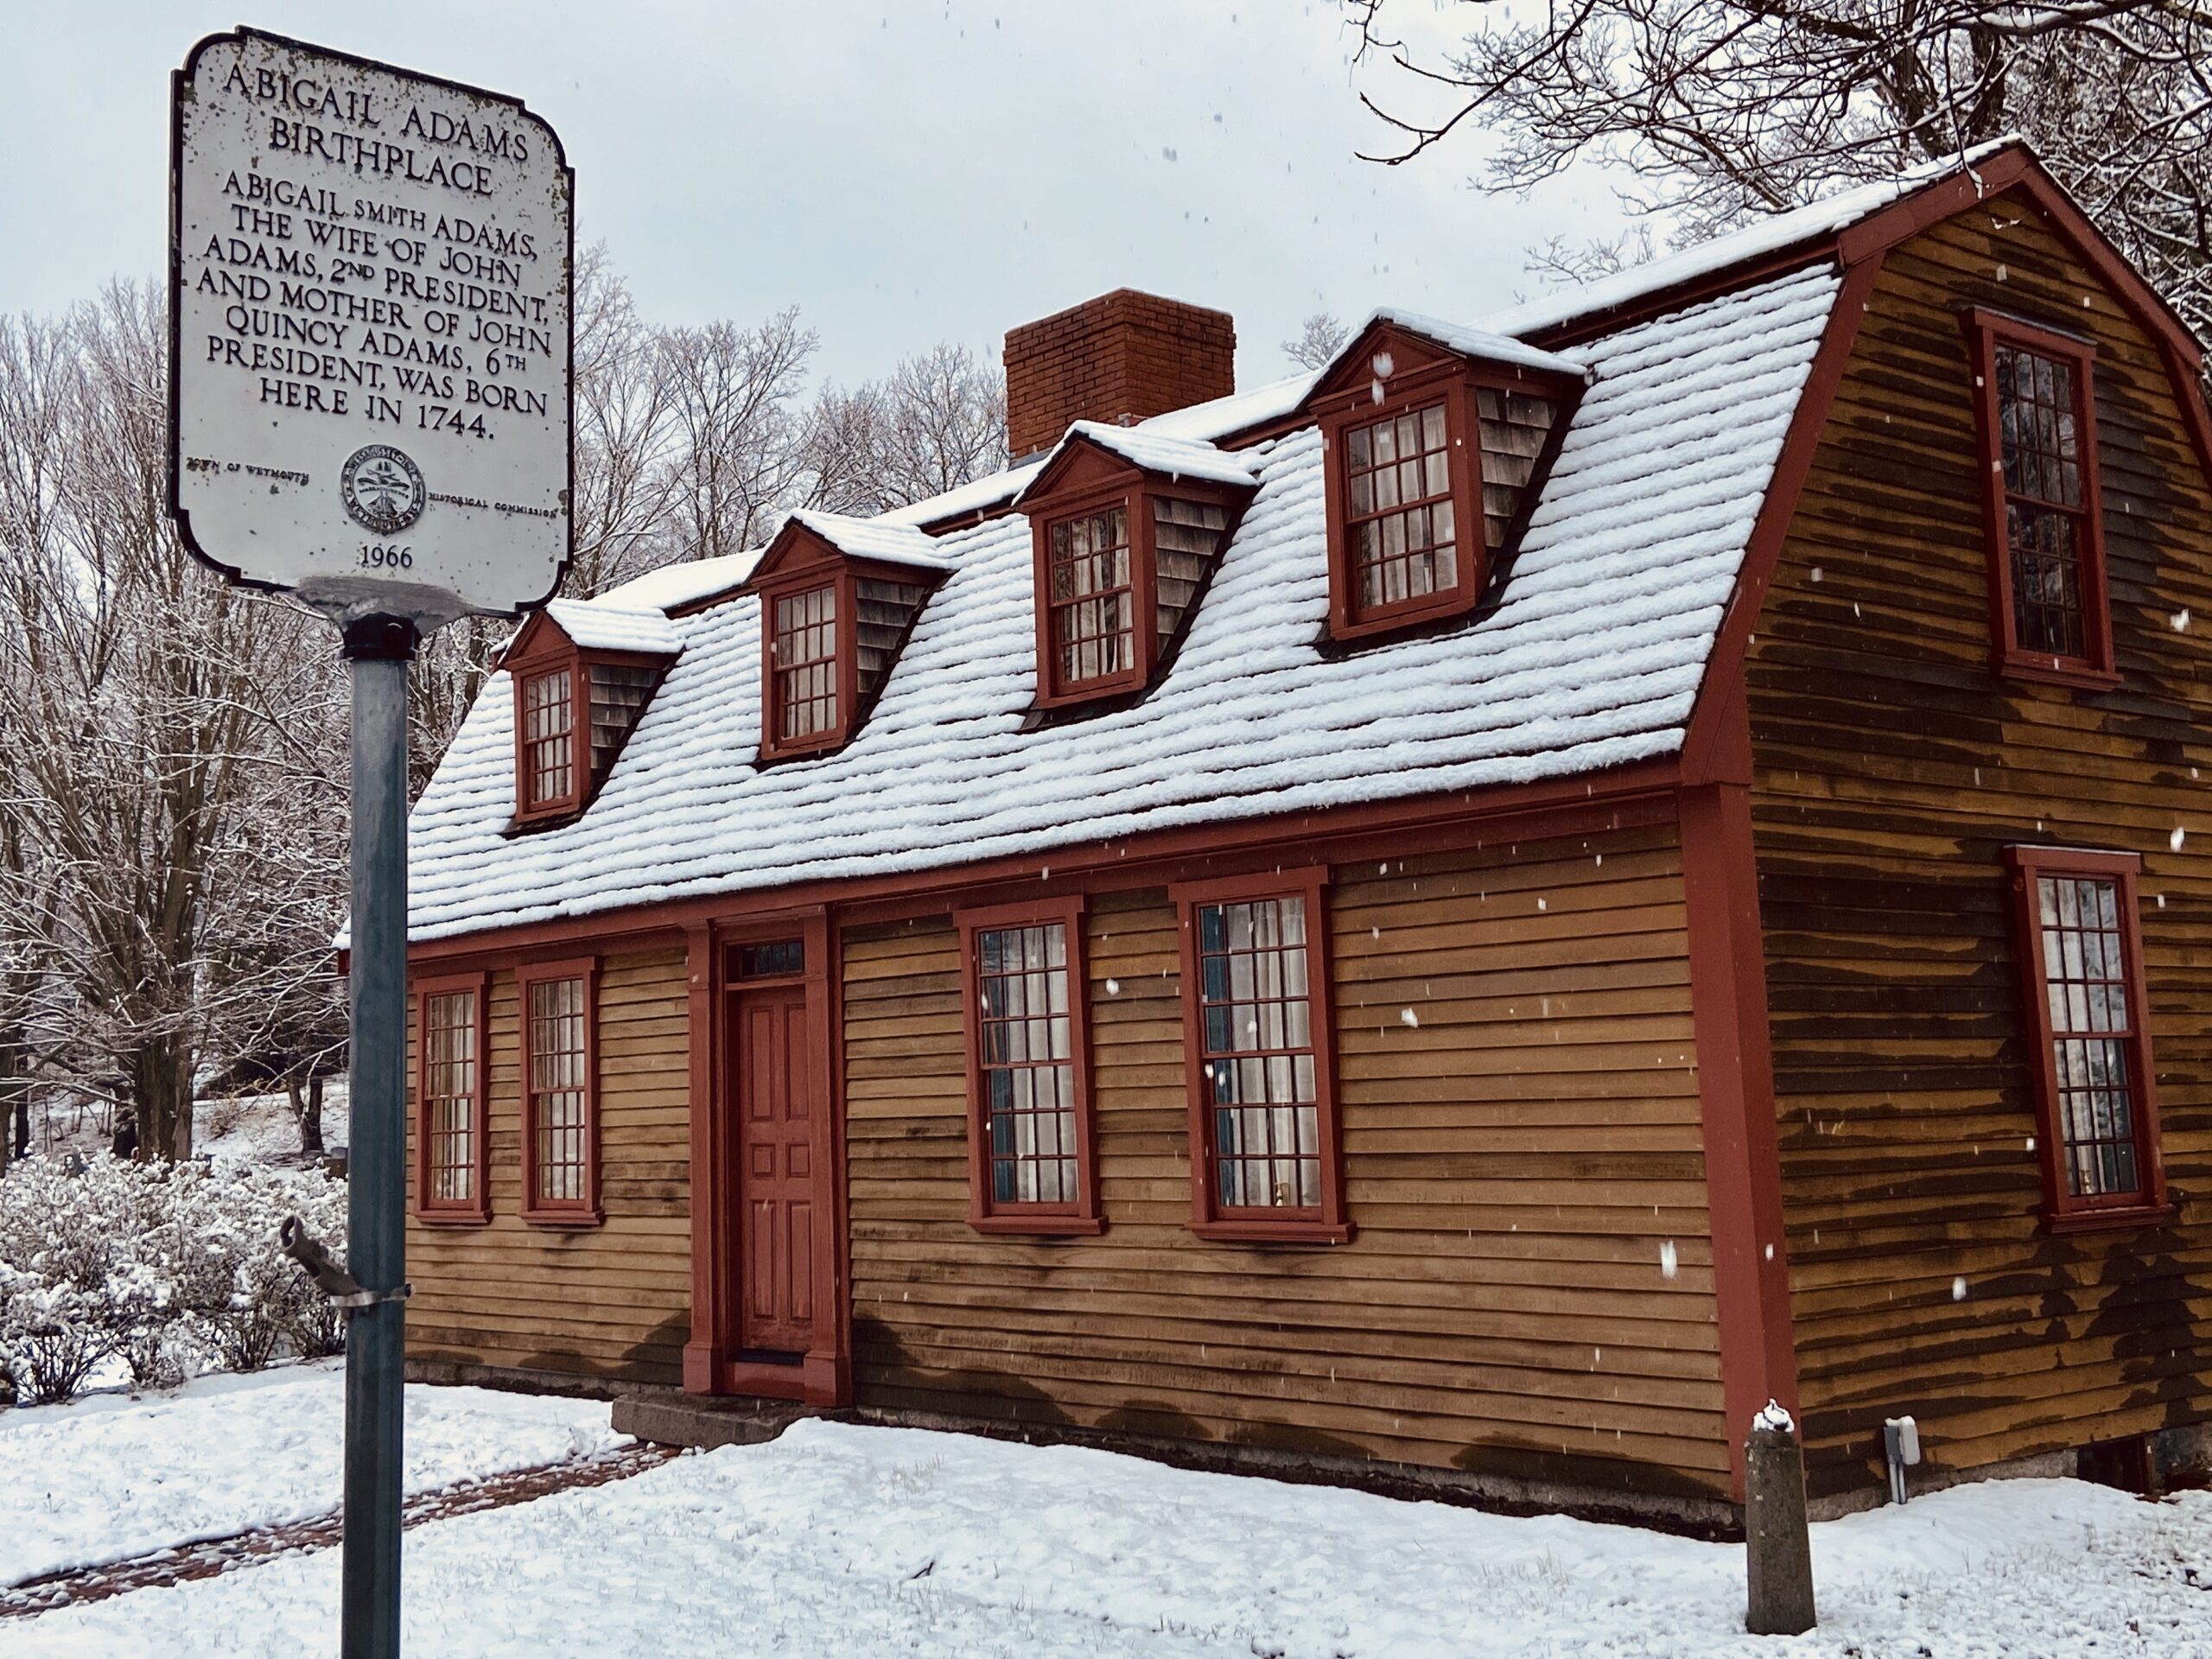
[
  {"x": 1592, "y": 658},
  {"x": 607, "y": 625},
  {"x": 1176, "y": 457},
  {"x": 1484, "y": 343},
  {"x": 673, "y": 586},
  {"x": 1755, "y": 241},
  {"x": 872, "y": 538}
]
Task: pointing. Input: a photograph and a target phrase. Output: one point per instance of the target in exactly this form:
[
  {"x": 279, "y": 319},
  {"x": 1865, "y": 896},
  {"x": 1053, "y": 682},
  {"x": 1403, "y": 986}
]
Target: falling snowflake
[
  {"x": 2180, "y": 620},
  {"x": 1407, "y": 1017},
  {"x": 1959, "y": 1289},
  {"x": 2175, "y": 840},
  {"x": 1670, "y": 1264},
  {"x": 1113, "y": 988}
]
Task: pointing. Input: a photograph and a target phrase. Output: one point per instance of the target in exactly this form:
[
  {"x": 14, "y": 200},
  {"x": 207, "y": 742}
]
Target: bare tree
[
  {"x": 158, "y": 835},
  {"x": 1317, "y": 340},
  {"x": 944, "y": 424},
  {"x": 937, "y": 422},
  {"x": 1723, "y": 110},
  {"x": 844, "y": 447},
  {"x": 740, "y": 443},
  {"x": 626, "y": 480}
]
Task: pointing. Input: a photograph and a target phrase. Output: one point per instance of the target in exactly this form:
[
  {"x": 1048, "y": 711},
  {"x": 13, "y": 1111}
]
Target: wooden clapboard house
[{"x": 1474, "y": 916}]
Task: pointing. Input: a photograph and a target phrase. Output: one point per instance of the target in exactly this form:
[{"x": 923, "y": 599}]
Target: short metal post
[
  {"x": 1777, "y": 1542},
  {"x": 379, "y": 649}
]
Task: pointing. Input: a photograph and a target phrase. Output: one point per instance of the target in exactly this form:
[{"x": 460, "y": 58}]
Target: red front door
[{"x": 781, "y": 1201}]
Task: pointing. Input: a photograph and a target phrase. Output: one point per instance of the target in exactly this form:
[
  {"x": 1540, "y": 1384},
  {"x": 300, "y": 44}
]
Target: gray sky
[{"x": 903, "y": 172}]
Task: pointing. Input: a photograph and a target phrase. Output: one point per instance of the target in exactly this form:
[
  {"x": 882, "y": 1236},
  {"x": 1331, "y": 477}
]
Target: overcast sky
[{"x": 904, "y": 173}]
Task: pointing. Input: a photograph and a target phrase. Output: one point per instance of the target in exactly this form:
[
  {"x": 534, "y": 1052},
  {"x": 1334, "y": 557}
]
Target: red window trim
[
  {"x": 1136, "y": 491},
  {"x": 564, "y": 1212},
  {"x": 1453, "y": 383},
  {"x": 843, "y": 596},
  {"x": 475, "y": 1211},
  {"x": 1052, "y": 691},
  {"x": 1985, "y": 329},
  {"x": 1082, "y": 1218},
  {"x": 2064, "y": 1213},
  {"x": 549, "y": 659},
  {"x": 844, "y": 574},
  {"x": 1331, "y": 1225},
  {"x": 522, "y": 674}
]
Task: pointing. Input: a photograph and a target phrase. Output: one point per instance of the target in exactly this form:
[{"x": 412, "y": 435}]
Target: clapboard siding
[
  {"x": 612, "y": 1302},
  {"x": 1514, "y": 1162},
  {"x": 1892, "y": 767}
]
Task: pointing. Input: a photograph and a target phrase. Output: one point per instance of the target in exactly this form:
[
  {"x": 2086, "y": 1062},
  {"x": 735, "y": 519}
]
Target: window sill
[
  {"x": 1088, "y": 691},
  {"x": 1255, "y": 1231},
  {"x": 570, "y": 1220},
  {"x": 1382, "y": 625},
  {"x": 782, "y": 753},
  {"x": 454, "y": 1217},
  {"x": 520, "y": 825},
  {"x": 2135, "y": 1217},
  {"x": 1039, "y": 1226},
  {"x": 2044, "y": 671}
]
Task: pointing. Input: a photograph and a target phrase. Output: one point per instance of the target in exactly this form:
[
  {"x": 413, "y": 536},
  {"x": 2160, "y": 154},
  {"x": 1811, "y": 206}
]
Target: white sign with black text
[{"x": 370, "y": 279}]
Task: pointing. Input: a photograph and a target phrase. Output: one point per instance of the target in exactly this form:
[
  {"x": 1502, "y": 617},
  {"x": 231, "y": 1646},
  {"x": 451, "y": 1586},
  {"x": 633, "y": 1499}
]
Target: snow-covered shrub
[
  {"x": 162, "y": 1266},
  {"x": 65, "y": 1231},
  {"x": 249, "y": 1297}
]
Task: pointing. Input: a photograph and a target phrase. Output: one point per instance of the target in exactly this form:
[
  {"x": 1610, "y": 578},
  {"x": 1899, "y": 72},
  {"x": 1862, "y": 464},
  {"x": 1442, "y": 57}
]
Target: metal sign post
[{"x": 370, "y": 276}]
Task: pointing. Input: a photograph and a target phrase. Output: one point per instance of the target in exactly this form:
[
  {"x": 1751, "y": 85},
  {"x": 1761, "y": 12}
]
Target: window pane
[
  {"x": 1399, "y": 521},
  {"x": 556, "y": 1081},
  {"x": 1025, "y": 1047},
  {"x": 2039, "y": 440},
  {"x": 549, "y": 718},
  {"x": 1256, "y": 1016},
  {"x": 449, "y": 1120},
  {"x": 804, "y": 649},
  {"x": 2084, "y": 959},
  {"x": 1094, "y": 611}
]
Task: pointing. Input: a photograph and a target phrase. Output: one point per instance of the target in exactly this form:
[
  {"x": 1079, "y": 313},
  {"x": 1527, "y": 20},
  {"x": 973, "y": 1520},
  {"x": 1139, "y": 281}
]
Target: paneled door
[{"x": 781, "y": 1182}]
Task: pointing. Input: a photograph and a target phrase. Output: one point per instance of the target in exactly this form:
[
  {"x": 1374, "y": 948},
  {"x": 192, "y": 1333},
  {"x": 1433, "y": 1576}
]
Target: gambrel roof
[{"x": 1590, "y": 658}]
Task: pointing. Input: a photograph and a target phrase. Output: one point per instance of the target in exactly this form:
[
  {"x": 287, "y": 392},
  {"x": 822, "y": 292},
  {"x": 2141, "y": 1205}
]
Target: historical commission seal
[{"x": 382, "y": 488}]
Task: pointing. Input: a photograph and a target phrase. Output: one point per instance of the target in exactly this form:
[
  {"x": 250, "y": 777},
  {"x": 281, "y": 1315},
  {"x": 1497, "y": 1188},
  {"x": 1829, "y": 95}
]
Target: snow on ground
[
  {"x": 111, "y": 1475},
  {"x": 262, "y": 1126},
  {"x": 844, "y": 1540},
  {"x": 242, "y": 1126}
]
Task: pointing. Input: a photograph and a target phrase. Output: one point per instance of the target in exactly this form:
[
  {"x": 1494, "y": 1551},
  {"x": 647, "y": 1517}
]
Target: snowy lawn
[
  {"x": 110, "y": 1476},
  {"x": 845, "y": 1540}
]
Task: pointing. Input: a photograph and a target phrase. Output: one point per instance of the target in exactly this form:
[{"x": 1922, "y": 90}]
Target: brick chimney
[{"x": 1119, "y": 358}]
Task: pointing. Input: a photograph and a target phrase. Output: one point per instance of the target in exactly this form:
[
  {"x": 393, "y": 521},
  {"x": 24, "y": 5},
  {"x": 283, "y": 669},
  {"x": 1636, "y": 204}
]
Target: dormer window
[
  {"x": 548, "y": 729},
  {"x": 805, "y": 651},
  {"x": 838, "y": 596},
  {"x": 1399, "y": 518},
  {"x": 1437, "y": 440},
  {"x": 583, "y": 673},
  {"x": 1094, "y": 620},
  {"x": 1126, "y": 527}
]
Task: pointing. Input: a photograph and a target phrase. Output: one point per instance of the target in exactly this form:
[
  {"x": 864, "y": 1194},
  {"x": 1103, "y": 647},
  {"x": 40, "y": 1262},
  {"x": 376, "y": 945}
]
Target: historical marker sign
[{"x": 368, "y": 285}]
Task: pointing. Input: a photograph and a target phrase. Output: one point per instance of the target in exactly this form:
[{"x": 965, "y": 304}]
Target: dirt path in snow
[{"x": 209, "y": 1556}]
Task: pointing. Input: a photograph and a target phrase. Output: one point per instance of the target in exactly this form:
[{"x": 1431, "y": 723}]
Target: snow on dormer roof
[
  {"x": 1151, "y": 451},
  {"x": 1482, "y": 344},
  {"x": 607, "y": 625},
  {"x": 873, "y": 538}
]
